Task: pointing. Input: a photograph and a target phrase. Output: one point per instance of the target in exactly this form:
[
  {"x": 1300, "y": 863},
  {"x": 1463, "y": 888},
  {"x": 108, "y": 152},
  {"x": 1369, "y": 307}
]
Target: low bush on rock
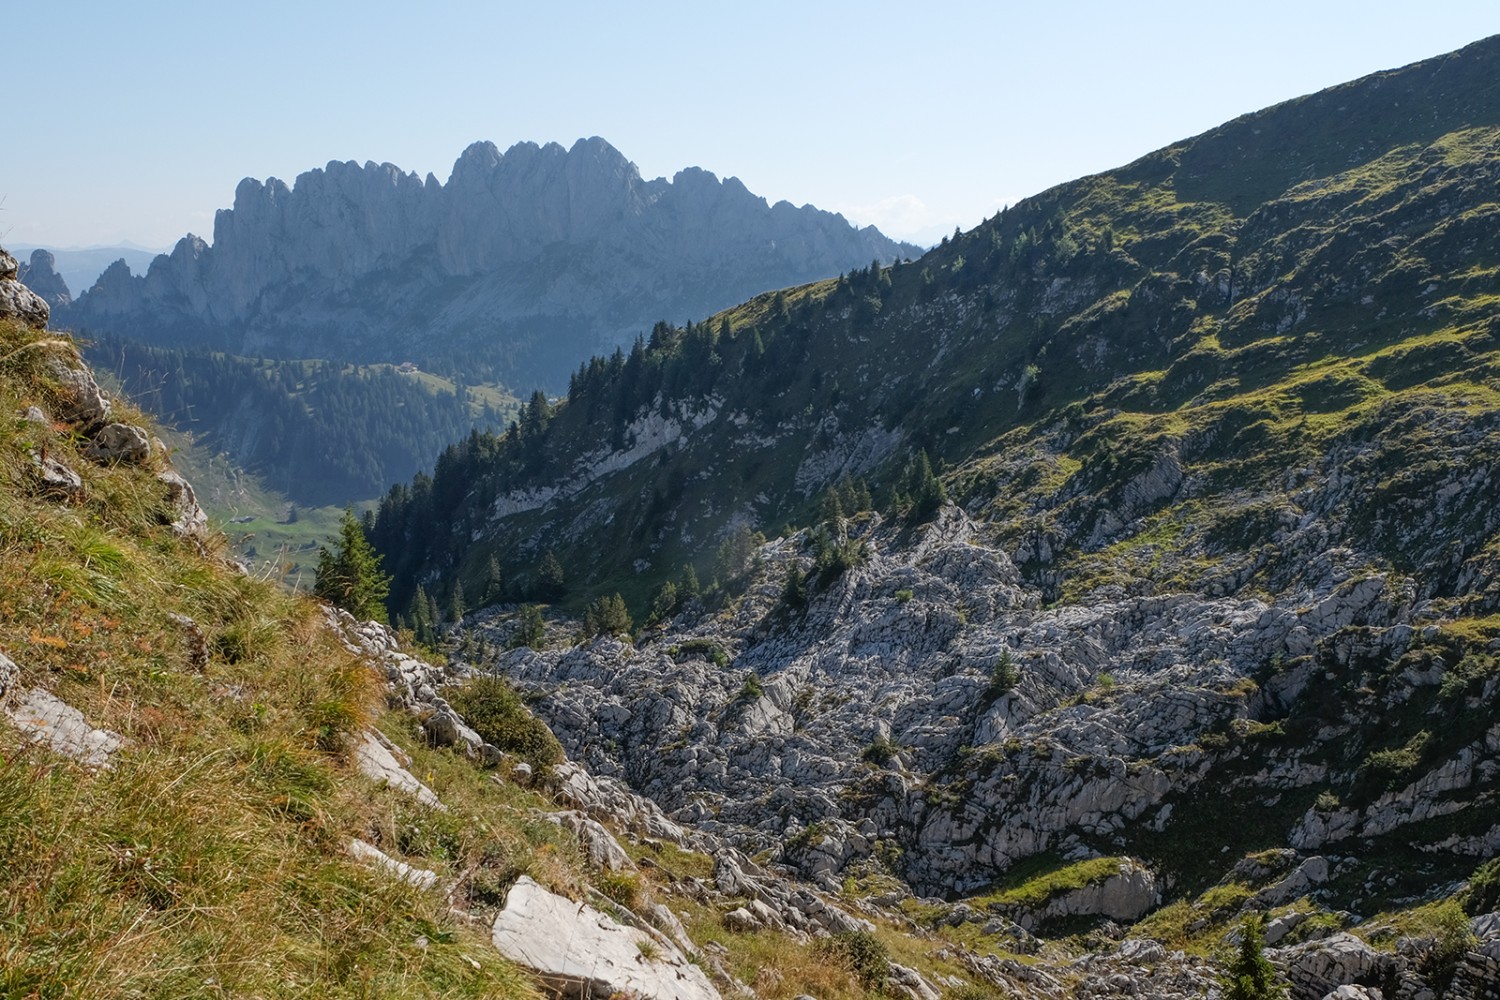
[{"x": 492, "y": 709}]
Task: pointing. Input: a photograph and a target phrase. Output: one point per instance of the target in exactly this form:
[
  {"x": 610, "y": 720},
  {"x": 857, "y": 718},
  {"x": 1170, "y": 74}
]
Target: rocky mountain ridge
[{"x": 514, "y": 253}]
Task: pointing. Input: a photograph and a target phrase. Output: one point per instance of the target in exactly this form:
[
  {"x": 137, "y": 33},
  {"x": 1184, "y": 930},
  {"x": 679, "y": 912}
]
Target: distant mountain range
[{"x": 520, "y": 266}]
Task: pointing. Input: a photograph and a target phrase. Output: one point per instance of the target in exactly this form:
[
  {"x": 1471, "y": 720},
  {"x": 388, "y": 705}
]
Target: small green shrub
[
  {"x": 751, "y": 689},
  {"x": 903, "y": 595},
  {"x": 881, "y": 752},
  {"x": 1484, "y": 889},
  {"x": 1385, "y": 769},
  {"x": 706, "y": 648},
  {"x": 1452, "y": 939},
  {"x": 492, "y": 709}
]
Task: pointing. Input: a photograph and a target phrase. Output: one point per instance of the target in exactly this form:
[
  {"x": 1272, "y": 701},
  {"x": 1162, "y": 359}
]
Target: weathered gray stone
[
  {"x": 909, "y": 983},
  {"x": 9, "y": 673},
  {"x": 49, "y": 721},
  {"x": 1318, "y": 967},
  {"x": 54, "y": 477},
  {"x": 445, "y": 729},
  {"x": 119, "y": 443},
  {"x": 603, "y": 850},
  {"x": 1355, "y": 993},
  {"x": 422, "y": 878},
  {"x": 21, "y": 303},
  {"x": 84, "y": 403},
  {"x": 376, "y": 758},
  {"x": 188, "y": 519},
  {"x": 741, "y": 919},
  {"x": 581, "y": 952}
]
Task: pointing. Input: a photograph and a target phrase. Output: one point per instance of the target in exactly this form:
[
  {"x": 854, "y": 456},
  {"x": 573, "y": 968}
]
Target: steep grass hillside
[{"x": 208, "y": 857}]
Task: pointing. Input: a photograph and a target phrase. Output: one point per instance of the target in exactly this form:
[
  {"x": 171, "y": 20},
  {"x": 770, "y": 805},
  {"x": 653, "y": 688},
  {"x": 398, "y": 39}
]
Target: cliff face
[{"x": 370, "y": 263}]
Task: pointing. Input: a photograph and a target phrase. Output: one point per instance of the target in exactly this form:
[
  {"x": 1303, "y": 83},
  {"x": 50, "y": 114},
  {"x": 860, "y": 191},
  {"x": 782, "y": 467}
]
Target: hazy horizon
[{"x": 912, "y": 124}]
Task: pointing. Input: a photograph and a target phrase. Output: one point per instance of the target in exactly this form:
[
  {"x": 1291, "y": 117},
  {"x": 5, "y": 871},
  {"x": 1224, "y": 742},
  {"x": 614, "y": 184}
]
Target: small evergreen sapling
[
  {"x": 1251, "y": 975},
  {"x": 350, "y": 575}
]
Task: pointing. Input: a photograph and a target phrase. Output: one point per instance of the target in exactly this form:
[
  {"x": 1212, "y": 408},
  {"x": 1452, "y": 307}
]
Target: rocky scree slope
[{"x": 522, "y": 263}]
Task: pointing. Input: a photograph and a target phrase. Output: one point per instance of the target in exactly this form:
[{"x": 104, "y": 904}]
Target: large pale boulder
[{"x": 583, "y": 953}]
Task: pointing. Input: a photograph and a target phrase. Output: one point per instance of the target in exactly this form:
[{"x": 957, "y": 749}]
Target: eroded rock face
[
  {"x": 581, "y": 952},
  {"x": 1318, "y": 967}
]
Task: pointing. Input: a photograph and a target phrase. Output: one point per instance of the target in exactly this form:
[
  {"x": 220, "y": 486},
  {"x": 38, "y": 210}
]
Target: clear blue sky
[{"x": 134, "y": 121}]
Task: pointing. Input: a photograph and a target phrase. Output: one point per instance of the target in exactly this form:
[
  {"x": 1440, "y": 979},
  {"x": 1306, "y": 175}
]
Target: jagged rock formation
[
  {"x": 531, "y": 259},
  {"x": 16, "y": 300},
  {"x": 40, "y": 275}
]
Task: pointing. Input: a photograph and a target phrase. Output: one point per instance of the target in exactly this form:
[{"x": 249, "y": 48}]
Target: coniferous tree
[
  {"x": 688, "y": 585},
  {"x": 494, "y": 584},
  {"x": 1251, "y": 975},
  {"x": 530, "y": 630},
  {"x": 606, "y": 616},
  {"x": 922, "y": 492},
  {"x": 550, "y": 582},
  {"x": 456, "y": 603},
  {"x": 350, "y": 575},
  {"x": 664, "y": 605},
  {"x": 421, "y": 617},
  {"x": 794, "y": 588}
]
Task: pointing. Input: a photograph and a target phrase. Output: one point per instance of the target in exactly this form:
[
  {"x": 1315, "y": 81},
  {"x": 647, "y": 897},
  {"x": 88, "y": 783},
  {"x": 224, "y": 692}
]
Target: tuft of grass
[{"x": 1038, "y": 889}]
